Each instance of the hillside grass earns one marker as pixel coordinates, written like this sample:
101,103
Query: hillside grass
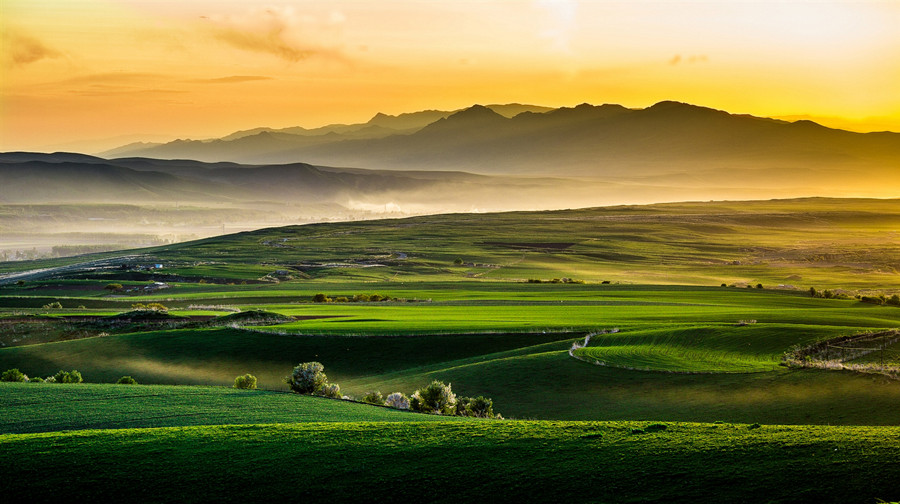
458,461
36,407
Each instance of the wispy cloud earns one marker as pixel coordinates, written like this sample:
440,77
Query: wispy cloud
273,31
23,49
231,79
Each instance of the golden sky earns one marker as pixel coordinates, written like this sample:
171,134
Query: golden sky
92,74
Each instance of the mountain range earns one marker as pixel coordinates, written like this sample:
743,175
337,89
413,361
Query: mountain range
668,139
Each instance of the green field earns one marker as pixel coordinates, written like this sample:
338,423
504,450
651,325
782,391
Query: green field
472,302
446,462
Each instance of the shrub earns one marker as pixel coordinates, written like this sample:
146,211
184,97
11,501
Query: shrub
20,282
656,427
436,398
759,286
397,400
114,287
373,397
479,407
13,375
341,299
72,376
55,304
458,262
812,291
894,300
126,380
376,297
321,298
332,390
307,378
872,300
36,379
247,381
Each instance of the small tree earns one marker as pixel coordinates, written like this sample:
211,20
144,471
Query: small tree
114,287
307,378
13,375
247,381
374,397
436,398
458,262
812,291
397,400
126,380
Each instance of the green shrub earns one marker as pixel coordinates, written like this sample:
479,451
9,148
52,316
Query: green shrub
458,262
437,398
479,407
72,376
126,380
114,287
56,304
656,427
332,390
894,300
307,378
13,375
247,381
321,298
36,379
374,397
341,299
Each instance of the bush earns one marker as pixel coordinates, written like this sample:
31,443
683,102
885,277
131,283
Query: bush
158,307
307,378
437,398
55,304
458,262
373,397
114,287
332,390
321,298
72,376
479,407
247,381
894,300
397,400
36,379
126,380
13,375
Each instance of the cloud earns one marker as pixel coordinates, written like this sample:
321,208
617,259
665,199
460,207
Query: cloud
274,31
231,79
23,49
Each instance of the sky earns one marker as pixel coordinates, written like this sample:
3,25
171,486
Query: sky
88,75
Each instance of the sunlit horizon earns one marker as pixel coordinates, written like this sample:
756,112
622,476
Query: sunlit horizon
92,74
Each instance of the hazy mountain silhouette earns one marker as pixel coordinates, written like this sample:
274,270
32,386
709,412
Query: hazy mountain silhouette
664,140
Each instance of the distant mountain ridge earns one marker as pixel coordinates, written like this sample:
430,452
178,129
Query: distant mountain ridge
585,141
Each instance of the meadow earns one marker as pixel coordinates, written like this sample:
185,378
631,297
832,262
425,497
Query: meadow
691,309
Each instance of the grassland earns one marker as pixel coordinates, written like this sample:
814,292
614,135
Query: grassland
29,407
449,462
461,310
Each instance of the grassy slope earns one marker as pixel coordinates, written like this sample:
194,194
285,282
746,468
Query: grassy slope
821,242
31,407
454,462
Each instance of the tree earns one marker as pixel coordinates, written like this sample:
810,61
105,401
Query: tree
13,375
479,407
72,376
436,398
307,378
126,380
247,381
397,400
812,291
